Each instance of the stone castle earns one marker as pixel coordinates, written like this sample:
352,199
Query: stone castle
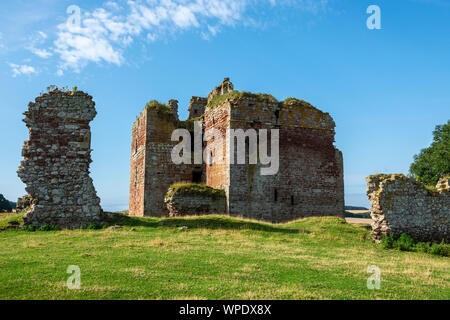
310,177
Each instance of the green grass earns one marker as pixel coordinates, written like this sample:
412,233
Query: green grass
195,189
216,258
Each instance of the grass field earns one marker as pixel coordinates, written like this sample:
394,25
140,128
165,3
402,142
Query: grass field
217,257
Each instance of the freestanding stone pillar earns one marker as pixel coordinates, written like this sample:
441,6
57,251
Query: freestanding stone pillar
56,161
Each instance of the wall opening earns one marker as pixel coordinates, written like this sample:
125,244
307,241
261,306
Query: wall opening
196,176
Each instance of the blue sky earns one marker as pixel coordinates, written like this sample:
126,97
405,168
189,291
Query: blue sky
386,89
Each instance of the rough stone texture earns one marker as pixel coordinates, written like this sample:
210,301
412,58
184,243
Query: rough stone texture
182,204
173,105
151,169
197,107
310,177
223,88
24,202
309,182
56,161
402,205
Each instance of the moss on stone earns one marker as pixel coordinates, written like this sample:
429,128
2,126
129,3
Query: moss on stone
236,95
160,108
195,189
291,101
383,176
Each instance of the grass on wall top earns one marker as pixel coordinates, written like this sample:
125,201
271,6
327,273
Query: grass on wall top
195,189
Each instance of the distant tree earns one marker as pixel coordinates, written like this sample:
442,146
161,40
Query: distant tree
433,163
4,204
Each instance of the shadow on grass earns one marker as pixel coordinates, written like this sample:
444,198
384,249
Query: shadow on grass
212,222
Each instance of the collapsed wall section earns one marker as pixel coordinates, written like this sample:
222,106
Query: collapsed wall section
56,161
402,205
195,199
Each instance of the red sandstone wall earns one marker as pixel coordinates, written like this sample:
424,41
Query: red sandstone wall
137,168
310,178
218,175
151,168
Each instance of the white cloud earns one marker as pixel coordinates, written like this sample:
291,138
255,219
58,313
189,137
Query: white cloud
43,35
43,53
106,32
22,69
2,45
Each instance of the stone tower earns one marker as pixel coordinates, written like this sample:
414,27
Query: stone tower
56,161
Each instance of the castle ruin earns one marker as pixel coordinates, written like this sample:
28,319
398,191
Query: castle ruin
402,205
56,161
309,181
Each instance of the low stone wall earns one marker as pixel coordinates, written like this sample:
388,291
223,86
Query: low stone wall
56,161
401,205
191,200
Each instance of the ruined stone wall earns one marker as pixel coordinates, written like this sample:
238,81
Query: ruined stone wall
24,202
197,107
137,166
224,87
310,178
56,161
151,168
187,204
402,205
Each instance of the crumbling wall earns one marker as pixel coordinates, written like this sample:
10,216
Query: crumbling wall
310,177
403,205
24,202
197,107
225,87
56,161
151,168
192,200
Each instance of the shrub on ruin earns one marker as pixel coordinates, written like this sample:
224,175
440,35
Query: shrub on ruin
432,164
387,242
405,242
49,227
440,249
160,108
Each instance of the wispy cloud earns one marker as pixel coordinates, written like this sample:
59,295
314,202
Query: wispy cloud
105,32
2,45
22,69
